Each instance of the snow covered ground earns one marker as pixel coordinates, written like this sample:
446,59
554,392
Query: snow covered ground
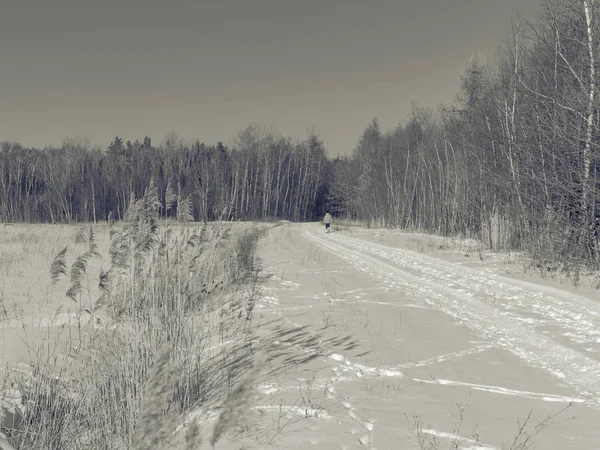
442,354
393,340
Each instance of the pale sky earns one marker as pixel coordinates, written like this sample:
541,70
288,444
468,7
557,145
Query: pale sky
207,68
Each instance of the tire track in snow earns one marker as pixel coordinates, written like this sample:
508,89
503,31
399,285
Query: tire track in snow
576,316
463,302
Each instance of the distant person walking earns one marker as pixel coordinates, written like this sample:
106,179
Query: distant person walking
327,221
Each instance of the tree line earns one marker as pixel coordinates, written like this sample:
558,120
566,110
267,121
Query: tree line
513,161
265,176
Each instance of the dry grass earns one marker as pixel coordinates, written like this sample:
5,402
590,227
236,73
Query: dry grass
523,439
153,324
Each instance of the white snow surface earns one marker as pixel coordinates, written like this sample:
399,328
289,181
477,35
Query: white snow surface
430,335
548,328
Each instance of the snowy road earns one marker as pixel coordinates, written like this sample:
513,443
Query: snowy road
553,330
444,356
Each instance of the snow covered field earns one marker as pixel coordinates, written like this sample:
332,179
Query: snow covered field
391,340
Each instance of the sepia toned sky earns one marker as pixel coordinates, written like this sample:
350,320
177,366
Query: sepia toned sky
207,68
